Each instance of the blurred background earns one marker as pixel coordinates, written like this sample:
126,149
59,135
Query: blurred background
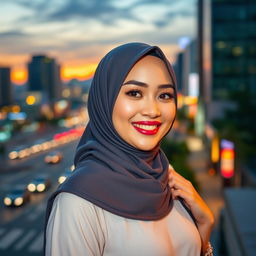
49,51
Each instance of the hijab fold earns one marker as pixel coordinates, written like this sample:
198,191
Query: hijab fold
109,172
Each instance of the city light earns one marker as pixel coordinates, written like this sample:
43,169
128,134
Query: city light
40,187
4,136
15,109
66,93
184,42
215,150
7,201
180,100
30,100
227,157
31,187
19,75
18,201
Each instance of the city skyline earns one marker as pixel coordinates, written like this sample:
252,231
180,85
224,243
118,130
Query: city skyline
55,29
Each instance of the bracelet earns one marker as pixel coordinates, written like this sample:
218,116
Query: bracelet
209,251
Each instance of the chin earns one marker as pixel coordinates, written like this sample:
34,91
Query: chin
145,147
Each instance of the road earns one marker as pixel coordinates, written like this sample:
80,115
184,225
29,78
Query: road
21,229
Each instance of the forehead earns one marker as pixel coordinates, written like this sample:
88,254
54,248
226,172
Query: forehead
149,68
149,60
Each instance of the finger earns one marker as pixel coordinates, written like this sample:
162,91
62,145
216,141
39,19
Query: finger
176,174
181,193
185,182
176,184
170,170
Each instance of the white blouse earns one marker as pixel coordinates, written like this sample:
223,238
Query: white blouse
77,227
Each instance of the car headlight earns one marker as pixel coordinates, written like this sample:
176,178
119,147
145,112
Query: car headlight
13,155
7,201
31,187
18,201
62,179
55,159
40,187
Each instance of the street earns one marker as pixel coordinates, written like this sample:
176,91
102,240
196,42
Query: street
21,228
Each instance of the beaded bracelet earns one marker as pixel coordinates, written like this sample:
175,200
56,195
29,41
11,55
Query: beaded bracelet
209,251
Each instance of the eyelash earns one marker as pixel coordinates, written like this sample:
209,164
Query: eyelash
134,94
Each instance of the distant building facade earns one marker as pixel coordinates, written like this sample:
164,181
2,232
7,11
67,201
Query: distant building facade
227,50
233,47
178,66
186,68
44,77
6,90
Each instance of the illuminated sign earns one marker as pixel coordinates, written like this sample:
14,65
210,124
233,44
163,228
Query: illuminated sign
215,150
17,116
227,159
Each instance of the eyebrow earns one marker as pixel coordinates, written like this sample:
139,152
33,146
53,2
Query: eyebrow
161,86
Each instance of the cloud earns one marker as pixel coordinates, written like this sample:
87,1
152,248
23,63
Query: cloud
12,34
106,12
98,10
86,29
102,11
170,16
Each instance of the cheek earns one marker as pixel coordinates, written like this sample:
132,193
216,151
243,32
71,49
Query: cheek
124,110
169,113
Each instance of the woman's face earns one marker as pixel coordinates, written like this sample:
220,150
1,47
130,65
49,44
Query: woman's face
145,106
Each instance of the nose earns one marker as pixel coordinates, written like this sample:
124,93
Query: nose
151,109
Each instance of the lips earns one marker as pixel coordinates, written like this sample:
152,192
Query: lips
147,127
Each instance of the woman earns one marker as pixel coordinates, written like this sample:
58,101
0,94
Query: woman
124,198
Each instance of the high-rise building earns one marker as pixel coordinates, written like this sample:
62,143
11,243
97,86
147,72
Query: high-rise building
178,67
233,47
227,50
44,77
6,90
185,68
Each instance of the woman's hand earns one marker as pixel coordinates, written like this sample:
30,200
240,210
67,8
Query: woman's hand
180,187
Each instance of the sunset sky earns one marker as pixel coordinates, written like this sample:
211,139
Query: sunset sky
78,33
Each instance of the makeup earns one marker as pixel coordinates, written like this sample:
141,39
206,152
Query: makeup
147,127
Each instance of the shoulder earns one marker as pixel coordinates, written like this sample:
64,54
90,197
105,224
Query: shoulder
74,204
74,225
76,212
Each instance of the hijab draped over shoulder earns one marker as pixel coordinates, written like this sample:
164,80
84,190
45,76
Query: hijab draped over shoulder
109,172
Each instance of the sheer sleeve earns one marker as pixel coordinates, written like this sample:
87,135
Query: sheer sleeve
74,228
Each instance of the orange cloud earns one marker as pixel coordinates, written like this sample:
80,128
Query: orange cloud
80,72
19,75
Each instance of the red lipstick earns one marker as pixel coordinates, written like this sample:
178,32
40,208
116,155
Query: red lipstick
144,127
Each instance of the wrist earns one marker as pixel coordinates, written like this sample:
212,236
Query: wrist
205,233
209,250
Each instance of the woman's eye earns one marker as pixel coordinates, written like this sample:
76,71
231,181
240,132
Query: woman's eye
134,93
166,96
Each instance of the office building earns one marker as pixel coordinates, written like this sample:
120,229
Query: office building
227,50
44,77
185,68
6,90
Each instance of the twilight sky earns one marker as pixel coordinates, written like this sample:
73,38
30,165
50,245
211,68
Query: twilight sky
78,33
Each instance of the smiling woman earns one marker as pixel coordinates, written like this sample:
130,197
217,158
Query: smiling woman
123,197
